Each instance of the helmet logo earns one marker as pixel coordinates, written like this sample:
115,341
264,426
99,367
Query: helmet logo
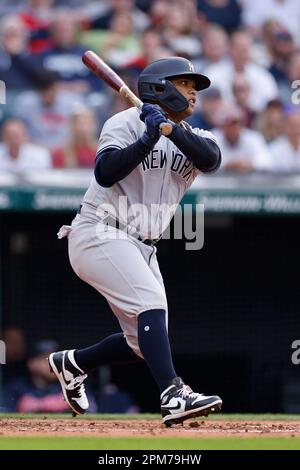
191,67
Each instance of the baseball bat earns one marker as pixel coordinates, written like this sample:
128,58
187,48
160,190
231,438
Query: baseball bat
104,72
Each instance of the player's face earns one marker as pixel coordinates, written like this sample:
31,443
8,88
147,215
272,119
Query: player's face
187,88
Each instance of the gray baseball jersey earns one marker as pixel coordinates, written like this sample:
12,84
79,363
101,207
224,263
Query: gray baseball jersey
122,268
158,183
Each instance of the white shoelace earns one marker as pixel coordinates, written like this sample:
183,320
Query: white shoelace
77,382
187,391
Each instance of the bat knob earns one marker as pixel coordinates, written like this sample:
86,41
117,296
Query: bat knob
166,128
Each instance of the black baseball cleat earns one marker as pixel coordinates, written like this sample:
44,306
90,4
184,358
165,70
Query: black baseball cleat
179,402
71,379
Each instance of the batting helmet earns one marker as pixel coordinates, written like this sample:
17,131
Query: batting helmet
154,86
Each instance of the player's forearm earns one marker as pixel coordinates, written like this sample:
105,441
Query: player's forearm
203,152
113,164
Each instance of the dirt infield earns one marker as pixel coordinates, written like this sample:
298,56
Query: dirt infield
152,428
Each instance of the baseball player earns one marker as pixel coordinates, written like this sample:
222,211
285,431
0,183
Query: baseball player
140,172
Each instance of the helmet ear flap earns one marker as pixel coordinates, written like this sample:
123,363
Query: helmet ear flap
172,99
162,92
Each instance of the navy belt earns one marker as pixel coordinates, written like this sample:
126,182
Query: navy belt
120,226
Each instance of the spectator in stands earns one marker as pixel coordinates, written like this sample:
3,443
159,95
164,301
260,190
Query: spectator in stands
159,11
209,105
281,53
17,66
17,154
150,42
80,150
120,44
46,111
285,150
294,68
65,56
140,20
261,51
40,393
270,121
214,46
85,11
293,74
241,91
36,16
178,33
287,12
262,84
226,13
243,149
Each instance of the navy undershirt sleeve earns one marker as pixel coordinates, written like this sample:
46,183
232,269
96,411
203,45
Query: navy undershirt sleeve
113,164
202,151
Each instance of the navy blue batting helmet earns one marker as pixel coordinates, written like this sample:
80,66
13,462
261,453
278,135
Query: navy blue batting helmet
154,86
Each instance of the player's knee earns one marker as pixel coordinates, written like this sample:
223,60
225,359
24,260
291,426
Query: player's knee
159,303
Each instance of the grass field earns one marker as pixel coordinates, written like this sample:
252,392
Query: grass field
142,432
95,443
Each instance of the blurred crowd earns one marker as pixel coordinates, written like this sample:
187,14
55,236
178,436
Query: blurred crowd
55,107
30,387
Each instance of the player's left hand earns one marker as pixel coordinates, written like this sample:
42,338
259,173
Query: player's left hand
153,116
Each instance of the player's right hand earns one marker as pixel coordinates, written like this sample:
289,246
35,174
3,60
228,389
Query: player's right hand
152,116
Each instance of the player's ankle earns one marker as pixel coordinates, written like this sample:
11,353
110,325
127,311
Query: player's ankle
74,361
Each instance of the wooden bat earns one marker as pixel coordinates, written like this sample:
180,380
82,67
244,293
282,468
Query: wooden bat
103,71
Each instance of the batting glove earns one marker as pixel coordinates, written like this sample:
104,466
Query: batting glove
152,116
